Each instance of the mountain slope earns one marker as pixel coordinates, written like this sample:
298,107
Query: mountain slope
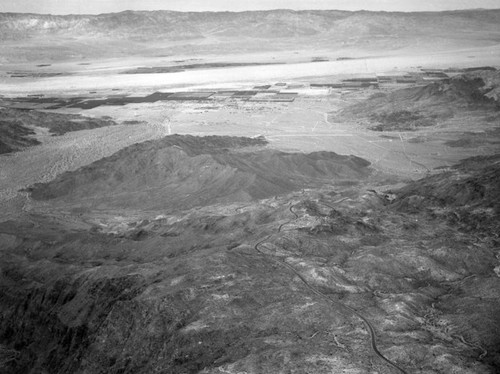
468,195
411,108
17,126
186,171
273,286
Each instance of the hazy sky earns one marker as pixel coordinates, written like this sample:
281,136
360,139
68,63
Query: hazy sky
106,6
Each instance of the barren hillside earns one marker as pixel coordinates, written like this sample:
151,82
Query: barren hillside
321,280
474,94
183,171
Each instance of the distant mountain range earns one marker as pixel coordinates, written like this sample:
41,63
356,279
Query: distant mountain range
49,38
170,25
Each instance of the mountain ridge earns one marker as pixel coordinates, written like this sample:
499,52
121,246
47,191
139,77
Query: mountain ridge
185,171
279,23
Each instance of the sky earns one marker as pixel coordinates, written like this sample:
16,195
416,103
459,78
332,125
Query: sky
108,6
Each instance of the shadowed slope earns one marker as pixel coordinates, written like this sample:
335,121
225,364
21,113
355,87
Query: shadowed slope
422,106
15,136
17,126
468,195
186,171
470,90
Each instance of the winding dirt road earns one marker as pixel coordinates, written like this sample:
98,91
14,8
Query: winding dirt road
368,325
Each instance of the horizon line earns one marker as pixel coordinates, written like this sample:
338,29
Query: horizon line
255,11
